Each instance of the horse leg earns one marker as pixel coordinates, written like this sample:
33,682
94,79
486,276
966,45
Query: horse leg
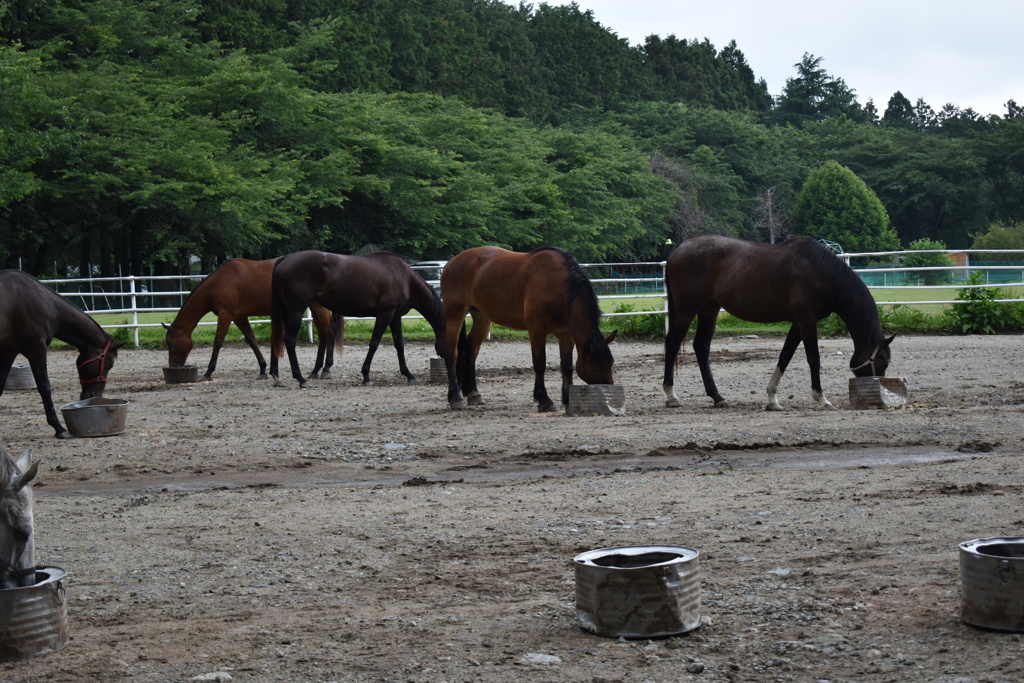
250,338
399,340
809,333
565,346
379,326
788,349
678,325
706,320
291,336
328,338
456,350
540,392
38,363
481,328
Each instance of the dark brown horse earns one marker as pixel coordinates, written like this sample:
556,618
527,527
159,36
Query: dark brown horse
798,281
236,291
544,292
380,286
31,316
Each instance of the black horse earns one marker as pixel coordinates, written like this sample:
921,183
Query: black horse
31,316
379,285
799,281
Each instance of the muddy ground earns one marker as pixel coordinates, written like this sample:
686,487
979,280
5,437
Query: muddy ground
348,533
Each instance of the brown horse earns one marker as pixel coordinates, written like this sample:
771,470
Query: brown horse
799,281
380,286
544,292
235,291
31,316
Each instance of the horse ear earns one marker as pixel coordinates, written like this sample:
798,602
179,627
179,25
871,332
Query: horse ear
166,326
28,472
611,337
889,340
115,347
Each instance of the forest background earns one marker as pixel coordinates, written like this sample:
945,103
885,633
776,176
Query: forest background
151,136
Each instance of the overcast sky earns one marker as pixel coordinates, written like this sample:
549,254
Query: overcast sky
970,54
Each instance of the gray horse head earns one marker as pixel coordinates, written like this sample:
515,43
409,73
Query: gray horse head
17,547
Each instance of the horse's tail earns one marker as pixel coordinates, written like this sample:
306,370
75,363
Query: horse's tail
277,315
460,362
338,332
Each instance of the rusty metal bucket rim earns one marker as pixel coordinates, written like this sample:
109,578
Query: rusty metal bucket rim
683,553
94,402
54,574
972,546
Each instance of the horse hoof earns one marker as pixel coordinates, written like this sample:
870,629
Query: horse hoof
367,382
673,403
546,407
475,399
412,380
326,374
303,385
457,405
62,435
773,407
722,404
278,382
314,375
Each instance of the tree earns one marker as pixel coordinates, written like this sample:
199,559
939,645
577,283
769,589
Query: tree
814,95
1000,236
835,204
899,113
925,256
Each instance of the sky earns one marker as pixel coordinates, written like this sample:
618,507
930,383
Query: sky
941,51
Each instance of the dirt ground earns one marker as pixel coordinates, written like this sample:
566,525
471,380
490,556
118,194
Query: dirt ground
238,531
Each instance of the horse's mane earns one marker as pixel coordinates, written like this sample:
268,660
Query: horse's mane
852,299
579,286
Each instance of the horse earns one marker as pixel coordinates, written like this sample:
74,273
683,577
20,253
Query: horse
799,281
544,292
235,291
31,316
379,285
17,546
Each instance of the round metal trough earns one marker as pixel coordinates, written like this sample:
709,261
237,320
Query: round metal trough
34,619
638,591
96,417
992,583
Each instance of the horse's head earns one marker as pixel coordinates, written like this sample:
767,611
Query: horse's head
94,364
179,345
871,362
17,547
594,361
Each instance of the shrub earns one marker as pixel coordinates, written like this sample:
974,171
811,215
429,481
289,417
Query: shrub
650,326
976,310
926,260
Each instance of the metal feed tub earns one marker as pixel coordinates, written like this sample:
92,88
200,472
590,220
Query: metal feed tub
438,371
181,375
596,399
20,377
878,392
34,619
992,583
96,416
638,591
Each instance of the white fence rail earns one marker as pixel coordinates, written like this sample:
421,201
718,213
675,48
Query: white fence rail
134,296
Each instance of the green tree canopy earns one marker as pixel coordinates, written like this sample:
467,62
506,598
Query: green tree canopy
836,205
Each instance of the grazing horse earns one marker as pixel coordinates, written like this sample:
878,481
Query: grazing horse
17,546
380,286
236,291
544,292
31,316
799,281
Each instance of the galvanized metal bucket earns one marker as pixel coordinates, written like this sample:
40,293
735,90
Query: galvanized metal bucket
596,399
20,377
992,583
878,392
638,591
438,371
96,416
34,619
184,374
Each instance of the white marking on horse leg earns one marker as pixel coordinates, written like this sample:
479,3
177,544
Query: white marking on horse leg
773,391
670,397
823,402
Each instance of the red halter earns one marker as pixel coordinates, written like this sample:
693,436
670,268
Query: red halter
102,358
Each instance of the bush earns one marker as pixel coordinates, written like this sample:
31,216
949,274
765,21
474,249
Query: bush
926,260
978,312
650,326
